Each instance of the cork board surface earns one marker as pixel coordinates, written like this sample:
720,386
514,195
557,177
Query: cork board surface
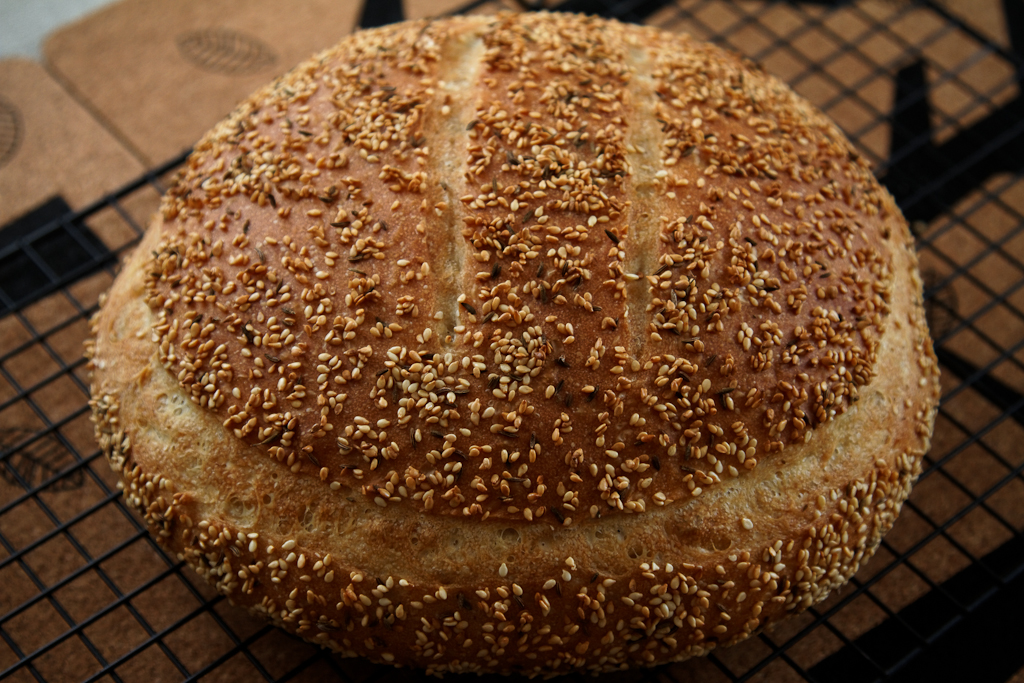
50,145
163,73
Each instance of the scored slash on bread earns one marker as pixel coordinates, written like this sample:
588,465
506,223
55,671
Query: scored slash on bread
520,343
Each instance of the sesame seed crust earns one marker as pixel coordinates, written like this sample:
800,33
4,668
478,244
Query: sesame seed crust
520,343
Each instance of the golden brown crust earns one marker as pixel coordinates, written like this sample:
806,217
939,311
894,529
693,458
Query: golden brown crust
520,343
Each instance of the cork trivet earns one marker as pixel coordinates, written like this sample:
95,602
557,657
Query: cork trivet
163,73
50,145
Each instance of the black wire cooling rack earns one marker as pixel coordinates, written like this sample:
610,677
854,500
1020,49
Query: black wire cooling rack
929,91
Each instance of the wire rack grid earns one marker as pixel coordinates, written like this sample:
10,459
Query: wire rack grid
928,91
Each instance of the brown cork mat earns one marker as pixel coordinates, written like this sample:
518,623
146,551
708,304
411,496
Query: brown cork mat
53,149
50,145
163,73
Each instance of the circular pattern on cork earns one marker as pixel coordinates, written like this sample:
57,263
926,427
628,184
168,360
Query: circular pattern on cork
10,131
225,51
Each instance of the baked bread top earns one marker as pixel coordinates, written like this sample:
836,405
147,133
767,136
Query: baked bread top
523,281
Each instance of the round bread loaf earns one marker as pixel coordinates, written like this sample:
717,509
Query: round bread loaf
521,343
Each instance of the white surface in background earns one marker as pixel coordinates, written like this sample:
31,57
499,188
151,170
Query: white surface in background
24,24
